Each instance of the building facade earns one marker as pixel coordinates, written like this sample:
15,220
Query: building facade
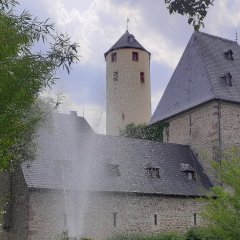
201,104
97,186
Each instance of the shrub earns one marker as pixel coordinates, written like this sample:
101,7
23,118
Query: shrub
167,236
202,234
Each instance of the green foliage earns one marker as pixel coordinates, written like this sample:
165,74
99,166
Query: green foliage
142,131
24,74
196,10
223,211
202,234
164,236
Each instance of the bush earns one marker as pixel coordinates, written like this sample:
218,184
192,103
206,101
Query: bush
167,236
202,234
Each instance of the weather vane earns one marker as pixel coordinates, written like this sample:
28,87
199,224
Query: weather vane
127,23
236,35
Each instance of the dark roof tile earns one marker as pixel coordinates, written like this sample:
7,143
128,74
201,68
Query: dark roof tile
127,40
71,156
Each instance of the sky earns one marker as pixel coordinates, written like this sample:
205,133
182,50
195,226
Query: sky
97,24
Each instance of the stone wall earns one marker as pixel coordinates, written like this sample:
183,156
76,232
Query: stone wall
19,207
46,214
207,129
4,190
94,216
230,125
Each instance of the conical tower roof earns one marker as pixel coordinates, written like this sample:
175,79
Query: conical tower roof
127,40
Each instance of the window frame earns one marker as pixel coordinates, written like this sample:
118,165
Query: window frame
135,56
229,54
142,77
115,76
113,57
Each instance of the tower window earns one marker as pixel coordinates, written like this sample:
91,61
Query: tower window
228,54
114,57
227,78
142,77
123,116
115,76
114,219
135,56
190,123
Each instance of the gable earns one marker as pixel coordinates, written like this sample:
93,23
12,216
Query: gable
197,77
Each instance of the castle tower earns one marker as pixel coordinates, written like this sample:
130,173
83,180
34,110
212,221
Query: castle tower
128,92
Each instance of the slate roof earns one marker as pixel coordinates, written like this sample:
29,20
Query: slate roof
75,158
125,42
197,77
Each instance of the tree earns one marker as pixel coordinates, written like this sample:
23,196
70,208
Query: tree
142,131
196,10
223,210
24,74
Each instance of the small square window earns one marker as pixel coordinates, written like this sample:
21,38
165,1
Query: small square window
142,77
114,57
115,76
153,172
135,56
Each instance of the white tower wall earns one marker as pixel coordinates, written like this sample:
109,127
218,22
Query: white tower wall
127,98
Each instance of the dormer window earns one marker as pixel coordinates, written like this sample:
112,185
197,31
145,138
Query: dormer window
189,171
114,57
131,39
112,170
227,77
152,171
191,176
228,54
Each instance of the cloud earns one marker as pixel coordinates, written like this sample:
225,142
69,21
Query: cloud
223,17
100,25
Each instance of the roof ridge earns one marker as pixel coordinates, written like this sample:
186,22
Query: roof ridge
141,140
214,36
